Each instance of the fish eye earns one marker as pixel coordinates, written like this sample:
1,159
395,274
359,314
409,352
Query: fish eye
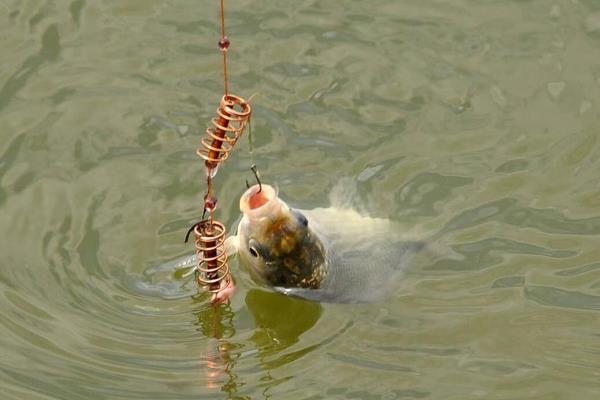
253,248
253,252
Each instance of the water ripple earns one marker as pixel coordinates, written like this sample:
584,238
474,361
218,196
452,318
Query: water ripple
471,124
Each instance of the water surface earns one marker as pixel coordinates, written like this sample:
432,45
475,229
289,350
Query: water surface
476,121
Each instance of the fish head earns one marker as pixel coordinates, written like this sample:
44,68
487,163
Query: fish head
276,243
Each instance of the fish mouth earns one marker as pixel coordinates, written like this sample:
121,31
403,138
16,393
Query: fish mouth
258,201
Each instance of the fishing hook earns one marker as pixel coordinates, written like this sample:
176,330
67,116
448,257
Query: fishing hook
257,176
199,224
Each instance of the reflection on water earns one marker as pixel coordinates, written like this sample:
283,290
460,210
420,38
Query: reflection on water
216,323
471,123
272,335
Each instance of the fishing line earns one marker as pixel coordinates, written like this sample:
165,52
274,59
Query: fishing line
233,115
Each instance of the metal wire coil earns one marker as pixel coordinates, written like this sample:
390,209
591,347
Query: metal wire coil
210,251
226,130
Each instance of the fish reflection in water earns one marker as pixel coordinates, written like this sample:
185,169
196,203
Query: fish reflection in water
272,334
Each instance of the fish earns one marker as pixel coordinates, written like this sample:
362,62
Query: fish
331,254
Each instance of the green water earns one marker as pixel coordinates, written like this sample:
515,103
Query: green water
476,120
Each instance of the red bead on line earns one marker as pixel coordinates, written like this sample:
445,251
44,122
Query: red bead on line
210,203
224,43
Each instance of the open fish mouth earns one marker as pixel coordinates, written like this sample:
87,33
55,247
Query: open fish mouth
258,201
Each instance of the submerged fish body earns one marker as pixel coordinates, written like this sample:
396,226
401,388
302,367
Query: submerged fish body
325,254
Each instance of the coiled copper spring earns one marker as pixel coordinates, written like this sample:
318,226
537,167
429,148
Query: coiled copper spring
212,265
233,115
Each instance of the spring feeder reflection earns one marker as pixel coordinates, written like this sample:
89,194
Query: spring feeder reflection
232,117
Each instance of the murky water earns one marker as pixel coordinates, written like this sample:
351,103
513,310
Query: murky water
474,120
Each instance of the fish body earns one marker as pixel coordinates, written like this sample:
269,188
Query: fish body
325,254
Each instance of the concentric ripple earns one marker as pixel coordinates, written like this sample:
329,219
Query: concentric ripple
472,124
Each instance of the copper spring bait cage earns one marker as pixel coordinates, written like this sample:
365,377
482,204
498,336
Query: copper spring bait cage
212,265
233,115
